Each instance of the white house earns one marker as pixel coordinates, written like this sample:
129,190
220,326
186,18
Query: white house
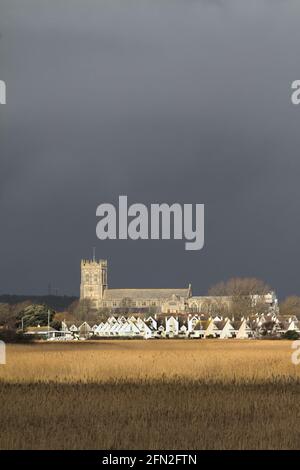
225,329
211,330
172,326
243,329
73,328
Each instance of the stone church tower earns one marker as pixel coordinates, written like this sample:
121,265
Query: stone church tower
93,280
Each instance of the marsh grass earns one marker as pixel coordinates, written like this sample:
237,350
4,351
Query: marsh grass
150,395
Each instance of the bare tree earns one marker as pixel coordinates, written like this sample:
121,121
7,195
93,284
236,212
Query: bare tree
5,314
126,304
103,314
246,295
214,306
240,286
81,310
9,314
290,306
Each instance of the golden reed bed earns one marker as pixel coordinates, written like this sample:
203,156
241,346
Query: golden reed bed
164,394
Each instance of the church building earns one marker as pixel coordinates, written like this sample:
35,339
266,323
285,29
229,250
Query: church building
94,287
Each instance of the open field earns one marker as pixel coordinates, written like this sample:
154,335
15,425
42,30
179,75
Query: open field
164,394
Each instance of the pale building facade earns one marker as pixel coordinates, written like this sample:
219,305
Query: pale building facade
94,287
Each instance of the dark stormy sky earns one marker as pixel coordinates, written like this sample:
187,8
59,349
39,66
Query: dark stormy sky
162,100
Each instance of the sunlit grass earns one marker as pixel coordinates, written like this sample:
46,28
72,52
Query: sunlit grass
150,394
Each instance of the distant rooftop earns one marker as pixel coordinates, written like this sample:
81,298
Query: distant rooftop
144,294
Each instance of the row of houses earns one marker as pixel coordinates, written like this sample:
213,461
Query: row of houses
184,326
171,327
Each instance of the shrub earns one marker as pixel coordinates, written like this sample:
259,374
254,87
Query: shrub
13,336
292,334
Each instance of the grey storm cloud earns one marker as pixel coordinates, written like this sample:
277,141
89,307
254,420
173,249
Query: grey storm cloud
165,102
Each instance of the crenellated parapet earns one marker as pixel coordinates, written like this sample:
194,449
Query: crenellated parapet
93,280
92,262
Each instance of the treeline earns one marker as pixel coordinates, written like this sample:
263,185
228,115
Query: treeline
15,318
56,302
